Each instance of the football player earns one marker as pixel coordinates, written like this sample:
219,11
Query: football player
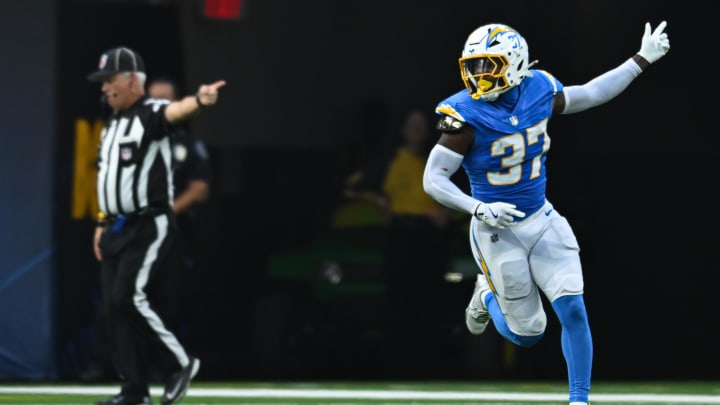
496,129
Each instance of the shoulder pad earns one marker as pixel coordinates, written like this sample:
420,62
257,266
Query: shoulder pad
552,79
450,124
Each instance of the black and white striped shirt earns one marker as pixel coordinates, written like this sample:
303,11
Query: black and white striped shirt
135,160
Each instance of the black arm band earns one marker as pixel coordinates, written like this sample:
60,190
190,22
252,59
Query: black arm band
197,99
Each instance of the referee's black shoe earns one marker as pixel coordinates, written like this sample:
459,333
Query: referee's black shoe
179,382
122,399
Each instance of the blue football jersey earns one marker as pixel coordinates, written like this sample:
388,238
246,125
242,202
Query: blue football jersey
507,159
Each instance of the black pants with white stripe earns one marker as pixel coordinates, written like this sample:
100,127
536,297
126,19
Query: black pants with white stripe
130,255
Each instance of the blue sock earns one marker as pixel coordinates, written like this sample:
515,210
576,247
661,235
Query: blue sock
577,344
501,325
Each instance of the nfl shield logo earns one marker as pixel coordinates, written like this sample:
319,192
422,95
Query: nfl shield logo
126,153
103,61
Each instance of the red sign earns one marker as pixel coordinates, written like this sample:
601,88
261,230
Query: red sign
223,9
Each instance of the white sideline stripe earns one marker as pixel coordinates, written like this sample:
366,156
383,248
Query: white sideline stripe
373,394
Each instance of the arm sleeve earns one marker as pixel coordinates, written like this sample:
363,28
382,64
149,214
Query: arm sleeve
600,89
441,165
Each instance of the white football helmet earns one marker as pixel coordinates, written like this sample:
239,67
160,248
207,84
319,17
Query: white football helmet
494,60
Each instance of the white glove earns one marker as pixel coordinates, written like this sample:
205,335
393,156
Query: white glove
654,46
498,214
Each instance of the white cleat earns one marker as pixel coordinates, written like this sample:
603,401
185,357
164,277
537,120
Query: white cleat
476,314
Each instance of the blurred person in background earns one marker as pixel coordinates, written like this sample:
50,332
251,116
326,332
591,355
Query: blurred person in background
496,129
192,176
415,252
362,203
136,223
416,255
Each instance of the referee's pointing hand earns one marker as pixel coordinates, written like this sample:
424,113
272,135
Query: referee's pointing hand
208,93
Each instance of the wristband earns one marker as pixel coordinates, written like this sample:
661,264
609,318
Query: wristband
197,100
476,214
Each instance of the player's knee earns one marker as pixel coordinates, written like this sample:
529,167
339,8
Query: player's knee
571,310
530,330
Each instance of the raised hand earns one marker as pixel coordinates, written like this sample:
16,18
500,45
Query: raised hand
207,94
654,44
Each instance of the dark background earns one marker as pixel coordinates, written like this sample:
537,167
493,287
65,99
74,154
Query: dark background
304,77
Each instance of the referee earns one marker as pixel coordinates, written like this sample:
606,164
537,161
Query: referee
136,225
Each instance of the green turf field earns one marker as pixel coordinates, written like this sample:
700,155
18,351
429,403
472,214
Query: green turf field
346,393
